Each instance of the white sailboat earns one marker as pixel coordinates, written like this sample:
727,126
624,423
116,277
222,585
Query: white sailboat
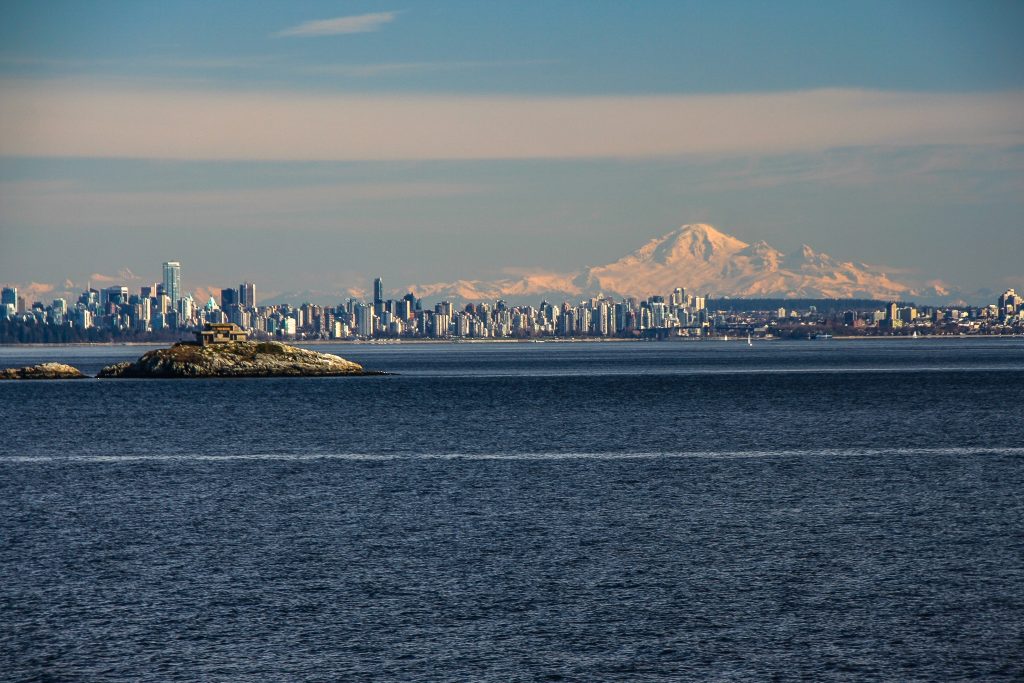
749,341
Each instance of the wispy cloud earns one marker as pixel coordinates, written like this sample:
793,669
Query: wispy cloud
358,23
77,119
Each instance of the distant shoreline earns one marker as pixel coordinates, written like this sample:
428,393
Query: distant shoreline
615,340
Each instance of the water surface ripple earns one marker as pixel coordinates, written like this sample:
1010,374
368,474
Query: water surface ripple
576,512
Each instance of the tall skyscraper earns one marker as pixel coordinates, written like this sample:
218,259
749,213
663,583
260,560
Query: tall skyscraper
247,294
172,281
228,297
378,296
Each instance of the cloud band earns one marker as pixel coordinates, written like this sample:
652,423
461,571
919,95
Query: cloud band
68,119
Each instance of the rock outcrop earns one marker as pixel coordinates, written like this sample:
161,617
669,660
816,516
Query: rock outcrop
235,359
42,371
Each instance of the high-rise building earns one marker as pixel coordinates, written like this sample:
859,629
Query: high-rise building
228,297
892,317
83,317
364,320
186,308
172,281
9,301
238,316
117,294
442,323
247,294
378,296
1009,303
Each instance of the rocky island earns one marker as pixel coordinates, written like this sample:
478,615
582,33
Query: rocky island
234,359
220,350
42,371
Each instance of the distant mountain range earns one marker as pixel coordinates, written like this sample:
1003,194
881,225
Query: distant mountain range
703,260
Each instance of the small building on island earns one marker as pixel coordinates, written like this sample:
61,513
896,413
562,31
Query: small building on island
220,333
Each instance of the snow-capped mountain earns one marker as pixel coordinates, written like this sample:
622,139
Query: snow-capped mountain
703,260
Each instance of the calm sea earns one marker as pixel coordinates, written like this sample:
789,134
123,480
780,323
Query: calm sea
522,512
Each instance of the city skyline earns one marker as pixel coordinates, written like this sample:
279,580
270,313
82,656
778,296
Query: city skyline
459,140
699,254
157,311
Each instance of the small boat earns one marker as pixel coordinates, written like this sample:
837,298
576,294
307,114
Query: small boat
749,341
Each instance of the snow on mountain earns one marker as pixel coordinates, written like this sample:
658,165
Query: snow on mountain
527,286
703,260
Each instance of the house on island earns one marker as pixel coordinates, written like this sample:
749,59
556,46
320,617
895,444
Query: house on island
220,333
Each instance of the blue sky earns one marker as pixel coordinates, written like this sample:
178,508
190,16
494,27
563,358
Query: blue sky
314,145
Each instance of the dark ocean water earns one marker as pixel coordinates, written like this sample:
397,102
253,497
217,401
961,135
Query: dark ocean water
520,512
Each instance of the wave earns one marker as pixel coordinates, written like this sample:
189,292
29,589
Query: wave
513,455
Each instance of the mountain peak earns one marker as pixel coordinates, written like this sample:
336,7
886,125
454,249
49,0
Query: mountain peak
688,242
704,231
700,257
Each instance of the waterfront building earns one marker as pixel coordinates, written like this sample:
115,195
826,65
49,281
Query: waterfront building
214,333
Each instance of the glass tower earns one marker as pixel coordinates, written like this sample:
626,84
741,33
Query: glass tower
172,281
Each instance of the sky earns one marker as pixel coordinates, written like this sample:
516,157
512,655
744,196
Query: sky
310,146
